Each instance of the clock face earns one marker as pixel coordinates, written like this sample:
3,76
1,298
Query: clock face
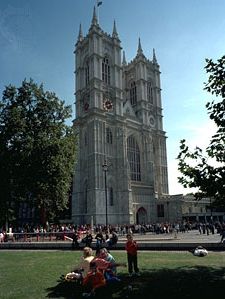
151,121
107,105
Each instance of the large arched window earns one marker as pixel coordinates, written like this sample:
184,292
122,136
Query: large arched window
108,135
133,93
85,139
133,154
106,71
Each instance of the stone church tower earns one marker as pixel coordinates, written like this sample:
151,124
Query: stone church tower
119,122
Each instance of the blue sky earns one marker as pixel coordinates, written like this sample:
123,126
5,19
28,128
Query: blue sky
37,41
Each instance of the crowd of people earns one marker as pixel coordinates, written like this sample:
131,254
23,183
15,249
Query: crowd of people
86,234
108,238
157,227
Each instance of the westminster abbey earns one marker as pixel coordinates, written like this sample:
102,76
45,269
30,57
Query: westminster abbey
121,171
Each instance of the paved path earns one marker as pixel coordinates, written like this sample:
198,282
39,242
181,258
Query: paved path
188,237
149,241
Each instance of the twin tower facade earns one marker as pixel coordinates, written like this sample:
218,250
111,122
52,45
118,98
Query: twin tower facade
121,170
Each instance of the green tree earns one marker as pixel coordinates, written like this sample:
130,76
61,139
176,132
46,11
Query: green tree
37,151
208,177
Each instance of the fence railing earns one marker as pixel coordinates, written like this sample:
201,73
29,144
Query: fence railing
40,236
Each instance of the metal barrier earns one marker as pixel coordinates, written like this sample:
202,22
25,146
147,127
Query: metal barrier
40,236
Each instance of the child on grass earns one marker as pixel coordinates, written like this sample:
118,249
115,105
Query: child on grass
131,248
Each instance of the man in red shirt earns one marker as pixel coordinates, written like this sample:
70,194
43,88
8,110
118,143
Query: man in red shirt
131,248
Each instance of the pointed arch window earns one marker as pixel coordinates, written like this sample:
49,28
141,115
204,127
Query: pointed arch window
133,94
87,78
106,70
150,92
133,154
109,135
85,139
111,200
160,210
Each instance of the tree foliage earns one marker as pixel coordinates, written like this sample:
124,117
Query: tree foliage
208,177
37,150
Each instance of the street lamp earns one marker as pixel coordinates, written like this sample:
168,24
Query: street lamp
105,167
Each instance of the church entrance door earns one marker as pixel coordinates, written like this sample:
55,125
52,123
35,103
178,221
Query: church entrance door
141,216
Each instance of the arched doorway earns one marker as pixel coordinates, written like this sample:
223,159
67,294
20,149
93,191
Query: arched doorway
141,216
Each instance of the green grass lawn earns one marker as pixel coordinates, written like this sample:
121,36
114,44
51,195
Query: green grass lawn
36,275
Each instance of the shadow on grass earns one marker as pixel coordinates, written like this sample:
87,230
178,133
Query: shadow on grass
195,282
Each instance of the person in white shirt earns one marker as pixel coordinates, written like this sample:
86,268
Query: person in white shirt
1,237
83,268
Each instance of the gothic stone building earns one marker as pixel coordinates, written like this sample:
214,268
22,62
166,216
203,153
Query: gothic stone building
119,121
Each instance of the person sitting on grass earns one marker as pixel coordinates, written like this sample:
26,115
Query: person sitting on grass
200,251
106,263
110,273
94,282
80,272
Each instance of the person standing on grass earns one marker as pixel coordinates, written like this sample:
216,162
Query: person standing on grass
131,248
